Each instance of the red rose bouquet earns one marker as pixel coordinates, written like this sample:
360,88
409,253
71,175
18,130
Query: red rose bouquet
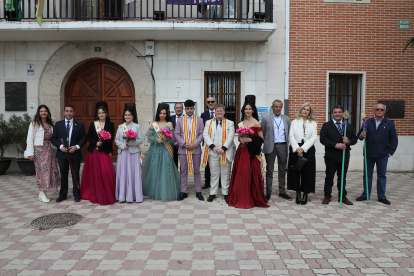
130,135
104,135
245,131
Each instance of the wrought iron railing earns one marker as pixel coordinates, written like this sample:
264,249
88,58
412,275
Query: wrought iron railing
83,10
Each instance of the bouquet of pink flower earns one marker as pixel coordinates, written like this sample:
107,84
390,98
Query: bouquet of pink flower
167,133
245,131
130,135
104,135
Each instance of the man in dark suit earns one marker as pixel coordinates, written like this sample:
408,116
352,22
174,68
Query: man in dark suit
178,109
73,135
335,143
382,142
208,115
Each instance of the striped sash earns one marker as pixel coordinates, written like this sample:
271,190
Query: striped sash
224,134
158,131
190,141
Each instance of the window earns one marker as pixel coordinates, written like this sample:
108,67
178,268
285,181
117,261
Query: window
346,90
225,88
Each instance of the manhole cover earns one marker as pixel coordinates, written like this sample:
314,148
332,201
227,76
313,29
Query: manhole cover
56,220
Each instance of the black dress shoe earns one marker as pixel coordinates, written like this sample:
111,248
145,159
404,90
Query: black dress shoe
211,198
361,198
226,198
199,196
384,200
206,186
304,199
60,199
285,196
298,197
182,196
77,199
268,196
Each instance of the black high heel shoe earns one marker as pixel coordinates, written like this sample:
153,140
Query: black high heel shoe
304,199
298,197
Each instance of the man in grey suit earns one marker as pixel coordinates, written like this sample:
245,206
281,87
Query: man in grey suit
276,143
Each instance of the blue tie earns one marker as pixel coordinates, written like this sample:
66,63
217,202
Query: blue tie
67,134
338,126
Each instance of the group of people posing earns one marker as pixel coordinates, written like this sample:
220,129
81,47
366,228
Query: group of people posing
239,173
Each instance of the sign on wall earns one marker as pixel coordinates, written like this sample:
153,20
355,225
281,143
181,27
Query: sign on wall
404,24
15,96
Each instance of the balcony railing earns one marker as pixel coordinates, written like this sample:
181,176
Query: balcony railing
83,10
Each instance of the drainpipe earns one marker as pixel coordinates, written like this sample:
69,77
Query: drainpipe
153,87
287,16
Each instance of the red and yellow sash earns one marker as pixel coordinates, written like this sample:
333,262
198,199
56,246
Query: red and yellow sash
190,141
125,129
224,134
259,157
158,131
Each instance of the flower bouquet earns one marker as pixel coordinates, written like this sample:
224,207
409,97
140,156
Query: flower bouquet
130,135
104,135
245,132
167,133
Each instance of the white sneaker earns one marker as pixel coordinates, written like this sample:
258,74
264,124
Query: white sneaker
42,197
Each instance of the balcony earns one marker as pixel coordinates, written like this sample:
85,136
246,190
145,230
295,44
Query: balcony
94,20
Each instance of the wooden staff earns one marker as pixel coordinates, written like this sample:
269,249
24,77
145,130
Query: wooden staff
70,164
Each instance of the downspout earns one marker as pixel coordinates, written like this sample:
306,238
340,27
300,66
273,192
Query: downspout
287,16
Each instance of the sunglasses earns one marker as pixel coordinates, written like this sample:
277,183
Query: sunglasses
380,109
211,102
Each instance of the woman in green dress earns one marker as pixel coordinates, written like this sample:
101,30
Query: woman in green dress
160,176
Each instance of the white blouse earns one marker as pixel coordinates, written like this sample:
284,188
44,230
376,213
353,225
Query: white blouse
297,134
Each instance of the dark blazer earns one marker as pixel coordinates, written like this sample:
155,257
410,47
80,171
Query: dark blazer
330,136
78,138
382,141
173,119
92,138
205,116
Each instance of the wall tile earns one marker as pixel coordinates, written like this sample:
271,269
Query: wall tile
217,51
32,51
195,51
228,51
173,70
183,70
2,69
206,50
9,51
161,50
172,50
261,73
183,50
1,50
195,70
239,52
21,51
10,70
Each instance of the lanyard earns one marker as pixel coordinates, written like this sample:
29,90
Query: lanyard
278,124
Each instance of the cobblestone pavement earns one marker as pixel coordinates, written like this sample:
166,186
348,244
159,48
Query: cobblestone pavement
201,238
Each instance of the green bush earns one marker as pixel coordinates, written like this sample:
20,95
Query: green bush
5,135
20,127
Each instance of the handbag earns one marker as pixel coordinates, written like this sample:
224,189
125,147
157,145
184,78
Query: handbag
300,163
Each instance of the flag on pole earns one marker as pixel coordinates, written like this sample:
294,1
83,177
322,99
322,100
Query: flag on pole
39,11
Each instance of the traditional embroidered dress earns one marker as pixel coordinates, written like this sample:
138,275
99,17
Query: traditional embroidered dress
47,174
160,177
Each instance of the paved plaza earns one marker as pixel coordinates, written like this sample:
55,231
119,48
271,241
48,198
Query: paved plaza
201,238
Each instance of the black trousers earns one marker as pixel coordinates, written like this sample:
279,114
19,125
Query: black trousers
207,175
64,174
175,150
331,169
302,181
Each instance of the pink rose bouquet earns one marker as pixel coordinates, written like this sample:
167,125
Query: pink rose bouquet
130,135
245,131
104,135
167,133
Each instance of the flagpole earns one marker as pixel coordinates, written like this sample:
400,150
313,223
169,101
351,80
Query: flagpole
346,116
365,154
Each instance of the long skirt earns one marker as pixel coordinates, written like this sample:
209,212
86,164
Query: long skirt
302,181
47,174
128,177
98,178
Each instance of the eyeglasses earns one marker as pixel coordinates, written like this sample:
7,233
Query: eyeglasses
380,109
211,102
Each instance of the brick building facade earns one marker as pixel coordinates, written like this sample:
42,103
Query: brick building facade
328,37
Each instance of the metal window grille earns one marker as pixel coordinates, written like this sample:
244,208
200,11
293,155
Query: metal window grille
225,88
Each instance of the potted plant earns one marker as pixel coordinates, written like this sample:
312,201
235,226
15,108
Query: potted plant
5,140
20,127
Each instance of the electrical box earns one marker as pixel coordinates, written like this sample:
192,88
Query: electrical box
149,48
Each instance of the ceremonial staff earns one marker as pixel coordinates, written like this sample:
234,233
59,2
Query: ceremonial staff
344,124
364,125
73,172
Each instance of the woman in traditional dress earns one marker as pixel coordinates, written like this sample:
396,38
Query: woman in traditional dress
246,185
302,136
160,176
39,150
98,176
128,168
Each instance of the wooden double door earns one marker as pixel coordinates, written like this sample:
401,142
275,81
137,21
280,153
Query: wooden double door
99,80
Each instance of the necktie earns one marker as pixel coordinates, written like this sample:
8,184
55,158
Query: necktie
218,124
67,134
338,126
211,114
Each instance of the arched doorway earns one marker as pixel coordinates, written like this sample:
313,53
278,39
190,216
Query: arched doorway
99,80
